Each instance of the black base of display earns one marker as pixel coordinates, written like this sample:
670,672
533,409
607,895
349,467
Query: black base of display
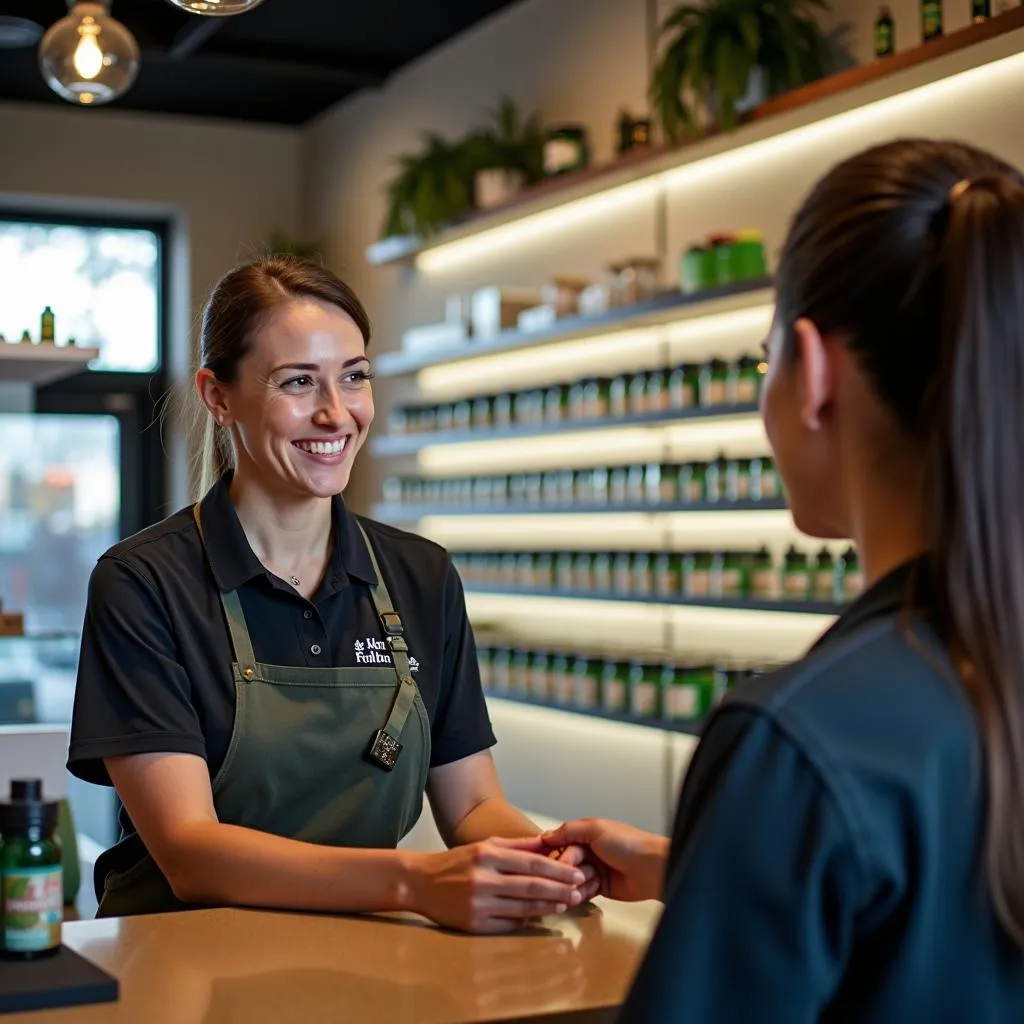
65,979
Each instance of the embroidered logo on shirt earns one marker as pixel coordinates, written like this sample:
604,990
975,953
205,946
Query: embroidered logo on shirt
373,651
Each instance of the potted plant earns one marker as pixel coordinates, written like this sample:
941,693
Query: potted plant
505,156
432,189
729,55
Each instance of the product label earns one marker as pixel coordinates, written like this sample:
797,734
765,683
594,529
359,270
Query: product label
746,390
795,584
765,584
694,491
668,583
825,585
853,584
681,701
539,684
732,582
645,698
668,490
742,487
769,486
585,692
643,581
563,688
698,583
714,393
33,907
614,695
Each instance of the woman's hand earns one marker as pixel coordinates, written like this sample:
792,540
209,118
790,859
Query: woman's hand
493,886
630,863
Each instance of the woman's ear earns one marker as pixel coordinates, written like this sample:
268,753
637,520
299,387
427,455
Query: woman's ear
816,373
214,396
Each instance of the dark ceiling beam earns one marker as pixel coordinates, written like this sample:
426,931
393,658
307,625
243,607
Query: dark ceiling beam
188,39
328,74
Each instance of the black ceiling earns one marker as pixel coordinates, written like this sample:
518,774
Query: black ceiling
284,61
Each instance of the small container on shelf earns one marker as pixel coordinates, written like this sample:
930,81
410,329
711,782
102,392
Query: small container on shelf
524,571
634,280
712,389
715,479
550,487
562,294
657,392
682,387
501,670
617,485
622,573
544,570
517,489
566,491
682,697
635,487
737,480
765,483
618,396
393,490
444,416
734,578
645,689
825,588
599,486
744,382
697,270
556,403
595,398
566,149
483,409
602,572
582,572
697,574
462,415
849,575
561,680
643,574
692,483
614,686
668,574
519,676
540,681
638,394
764,579
509,568
586,683
661,484
501,411
796,576
564,575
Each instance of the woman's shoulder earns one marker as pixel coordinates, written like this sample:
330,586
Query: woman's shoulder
417,552
165,546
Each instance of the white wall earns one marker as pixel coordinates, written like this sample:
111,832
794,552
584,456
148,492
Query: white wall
226,188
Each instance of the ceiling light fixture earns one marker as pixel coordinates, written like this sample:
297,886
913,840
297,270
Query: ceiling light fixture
216,8
88,57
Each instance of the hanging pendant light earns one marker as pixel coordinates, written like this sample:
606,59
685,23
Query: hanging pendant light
88,57
216,8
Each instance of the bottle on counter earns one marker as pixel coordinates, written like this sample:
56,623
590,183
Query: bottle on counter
825,576
796,576
931,19
885,34
31,873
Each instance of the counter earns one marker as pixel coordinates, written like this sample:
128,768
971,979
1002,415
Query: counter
266,967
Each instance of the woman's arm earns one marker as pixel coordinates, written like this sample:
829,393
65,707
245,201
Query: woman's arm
490,886
469,803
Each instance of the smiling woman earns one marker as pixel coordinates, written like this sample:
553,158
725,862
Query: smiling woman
223,688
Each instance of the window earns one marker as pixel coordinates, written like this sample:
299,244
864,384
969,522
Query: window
102,282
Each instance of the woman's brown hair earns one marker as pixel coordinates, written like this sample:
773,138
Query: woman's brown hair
239,304
913,252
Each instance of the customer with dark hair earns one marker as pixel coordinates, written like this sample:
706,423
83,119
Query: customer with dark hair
270,682
849,844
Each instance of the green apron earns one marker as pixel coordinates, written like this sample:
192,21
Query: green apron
313,755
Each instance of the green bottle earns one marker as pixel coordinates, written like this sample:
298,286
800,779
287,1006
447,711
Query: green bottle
31,877
825,577
46,325
931,19
981,10
885,34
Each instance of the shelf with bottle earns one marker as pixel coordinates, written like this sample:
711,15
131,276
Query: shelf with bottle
647,397
664,308
721,485
860,93
674,694
746,580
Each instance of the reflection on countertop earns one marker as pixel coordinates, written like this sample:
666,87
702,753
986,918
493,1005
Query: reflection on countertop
265,967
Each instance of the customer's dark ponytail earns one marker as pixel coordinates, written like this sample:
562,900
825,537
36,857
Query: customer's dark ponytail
913,252
976,471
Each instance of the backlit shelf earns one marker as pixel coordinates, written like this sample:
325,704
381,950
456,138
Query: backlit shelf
411,513
25,363
662,309
410,444
831,104
737,604
693,728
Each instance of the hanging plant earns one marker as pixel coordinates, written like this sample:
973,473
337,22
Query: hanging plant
722,55
432,189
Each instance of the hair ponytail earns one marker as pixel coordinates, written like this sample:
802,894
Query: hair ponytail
913,253
974,472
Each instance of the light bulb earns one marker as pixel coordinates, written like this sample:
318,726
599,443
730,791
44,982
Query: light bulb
216,8
88,57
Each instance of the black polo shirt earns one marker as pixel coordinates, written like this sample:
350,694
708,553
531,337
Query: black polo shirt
825,858
155,667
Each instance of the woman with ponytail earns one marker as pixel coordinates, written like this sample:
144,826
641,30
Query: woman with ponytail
849,844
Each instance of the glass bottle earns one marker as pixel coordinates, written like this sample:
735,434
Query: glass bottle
638,394
764,581
850,575
825,576
618,396
744,381
714,479
885,34
645,690
682,393
46,326
614,686
981,10
737,480
713,380
560,673
692,483
931,19
796,576
31,876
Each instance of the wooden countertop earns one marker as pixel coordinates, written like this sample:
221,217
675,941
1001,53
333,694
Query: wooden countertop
264,967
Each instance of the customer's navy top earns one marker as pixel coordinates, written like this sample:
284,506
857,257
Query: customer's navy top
825,864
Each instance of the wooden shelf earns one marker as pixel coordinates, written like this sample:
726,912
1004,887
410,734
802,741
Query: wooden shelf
738,604
649,163
662,309
693,728
412,513
23,363
410,444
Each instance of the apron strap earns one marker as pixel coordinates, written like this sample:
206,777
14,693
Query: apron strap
385,746
241,642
